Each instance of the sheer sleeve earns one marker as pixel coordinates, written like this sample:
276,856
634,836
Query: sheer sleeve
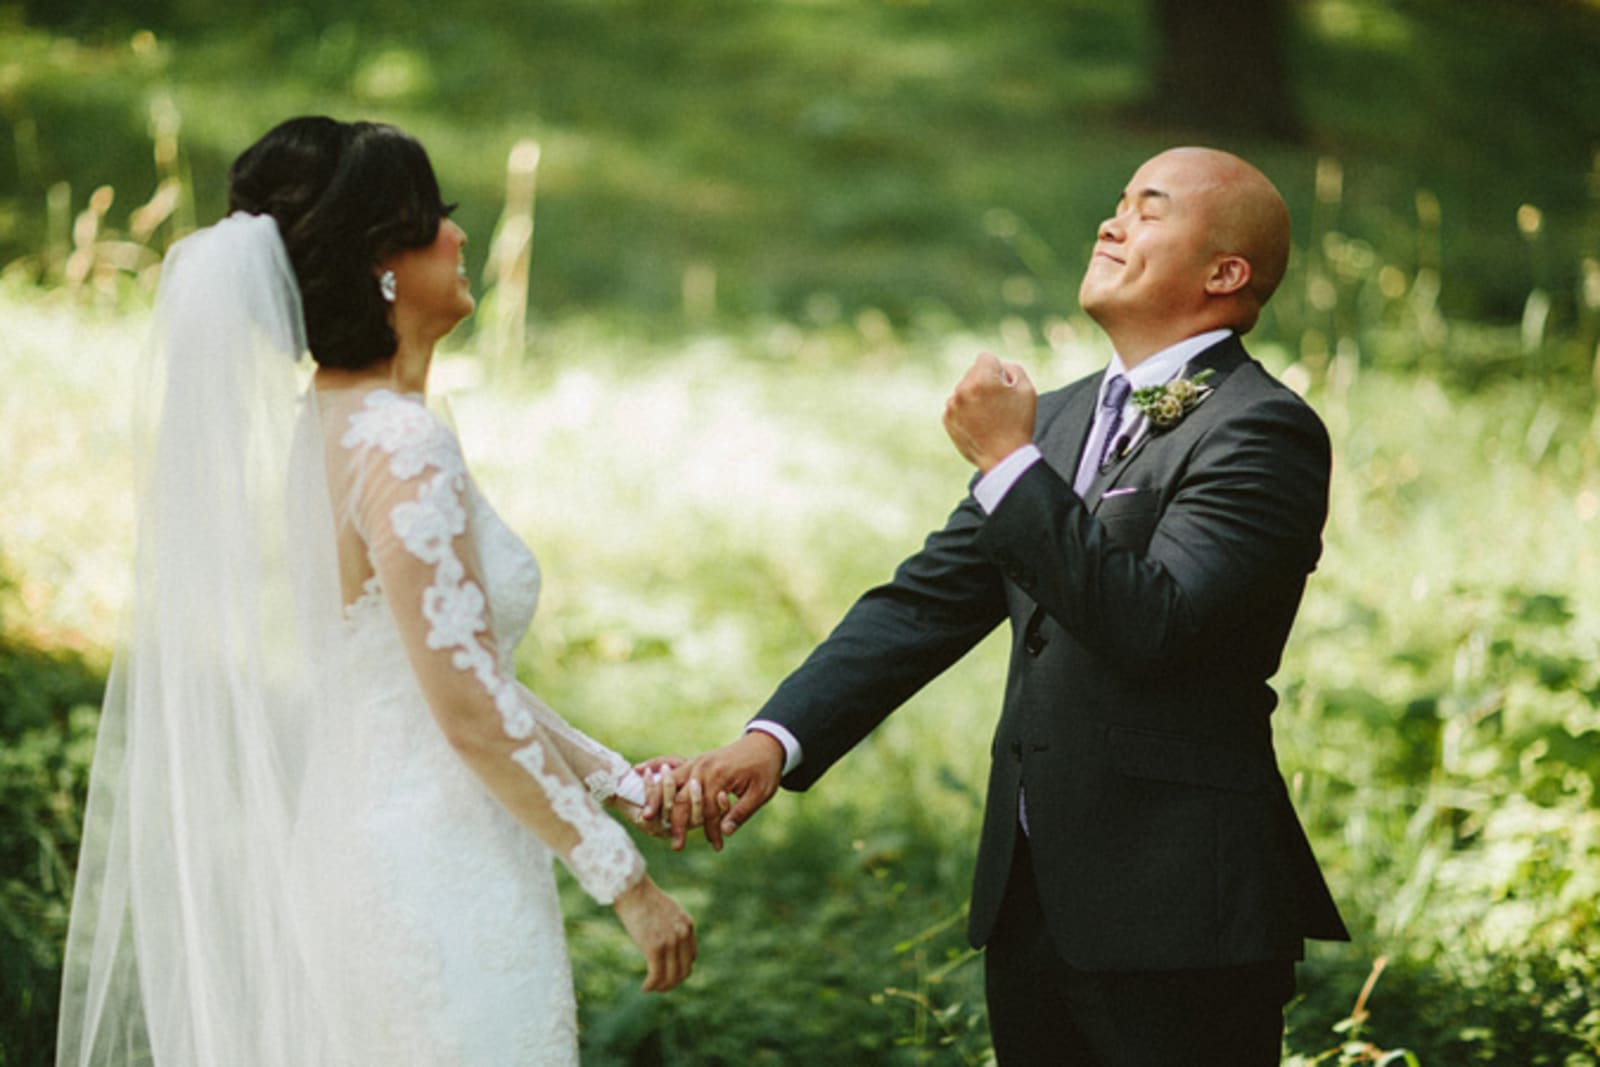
409,504
604,772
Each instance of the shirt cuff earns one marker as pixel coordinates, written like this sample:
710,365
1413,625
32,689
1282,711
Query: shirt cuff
993,487
792,755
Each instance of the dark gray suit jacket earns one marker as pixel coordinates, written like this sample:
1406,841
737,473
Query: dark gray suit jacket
1147,617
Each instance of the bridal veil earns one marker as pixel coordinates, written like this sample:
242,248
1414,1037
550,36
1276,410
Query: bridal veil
186,944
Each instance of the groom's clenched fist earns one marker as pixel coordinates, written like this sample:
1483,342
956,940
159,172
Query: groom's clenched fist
990,413
749,770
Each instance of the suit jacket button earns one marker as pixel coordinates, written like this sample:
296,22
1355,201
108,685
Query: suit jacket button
1034,643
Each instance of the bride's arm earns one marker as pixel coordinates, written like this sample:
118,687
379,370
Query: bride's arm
610,779
410,507
604,772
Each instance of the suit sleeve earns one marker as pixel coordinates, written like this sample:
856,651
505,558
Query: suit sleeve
1240,530
895,639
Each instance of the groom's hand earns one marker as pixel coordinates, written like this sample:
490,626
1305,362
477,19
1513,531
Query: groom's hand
748,769
990,414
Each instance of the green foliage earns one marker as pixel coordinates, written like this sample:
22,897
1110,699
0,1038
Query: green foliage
38,684
1538,1008
809,949
1442,709
44,773
814,161
47,723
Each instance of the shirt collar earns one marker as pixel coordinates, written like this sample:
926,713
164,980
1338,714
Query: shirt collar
1160,367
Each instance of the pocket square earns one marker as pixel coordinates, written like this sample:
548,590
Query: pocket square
1122,491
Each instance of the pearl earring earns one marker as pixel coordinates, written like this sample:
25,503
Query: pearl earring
386,286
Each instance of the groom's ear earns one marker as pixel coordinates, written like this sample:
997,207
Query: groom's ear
1230,274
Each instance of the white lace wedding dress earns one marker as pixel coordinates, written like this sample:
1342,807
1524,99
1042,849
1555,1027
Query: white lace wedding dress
322,812
425,860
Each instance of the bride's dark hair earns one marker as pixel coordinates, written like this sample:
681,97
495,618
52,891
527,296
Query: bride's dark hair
345,195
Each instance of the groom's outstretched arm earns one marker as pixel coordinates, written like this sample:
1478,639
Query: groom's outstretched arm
896,638
899,636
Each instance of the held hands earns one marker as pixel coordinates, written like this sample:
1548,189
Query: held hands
662,793
662,930
654,816
722,788
990,413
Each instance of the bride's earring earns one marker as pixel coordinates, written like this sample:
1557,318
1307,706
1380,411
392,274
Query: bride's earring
386,286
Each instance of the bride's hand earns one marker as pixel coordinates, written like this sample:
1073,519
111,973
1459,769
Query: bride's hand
660,792
663,931
659,763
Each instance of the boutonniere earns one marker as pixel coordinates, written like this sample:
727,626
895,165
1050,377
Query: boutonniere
1162,407
1166,405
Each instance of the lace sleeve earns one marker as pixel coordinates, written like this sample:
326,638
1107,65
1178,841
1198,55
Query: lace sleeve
409,505
601,769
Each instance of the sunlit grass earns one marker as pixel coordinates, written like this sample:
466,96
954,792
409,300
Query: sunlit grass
65,420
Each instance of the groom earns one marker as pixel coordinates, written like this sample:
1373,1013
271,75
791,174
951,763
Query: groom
1143,886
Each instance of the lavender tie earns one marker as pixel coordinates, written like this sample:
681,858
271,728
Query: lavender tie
1110,418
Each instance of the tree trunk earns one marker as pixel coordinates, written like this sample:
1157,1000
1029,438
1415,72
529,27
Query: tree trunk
1222,67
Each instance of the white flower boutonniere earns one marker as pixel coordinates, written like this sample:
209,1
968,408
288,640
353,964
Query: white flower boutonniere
1166,405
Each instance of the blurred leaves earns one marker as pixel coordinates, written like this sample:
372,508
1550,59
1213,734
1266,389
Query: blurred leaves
852,152
47,723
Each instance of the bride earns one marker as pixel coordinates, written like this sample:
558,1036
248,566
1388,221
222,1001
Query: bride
322,809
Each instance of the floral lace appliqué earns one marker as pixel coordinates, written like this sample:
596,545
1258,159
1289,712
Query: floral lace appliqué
604,861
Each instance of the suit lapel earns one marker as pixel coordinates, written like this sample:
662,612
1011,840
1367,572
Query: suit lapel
1063,437
1221,358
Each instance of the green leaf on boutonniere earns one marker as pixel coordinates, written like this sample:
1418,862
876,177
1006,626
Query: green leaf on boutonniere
1165,405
